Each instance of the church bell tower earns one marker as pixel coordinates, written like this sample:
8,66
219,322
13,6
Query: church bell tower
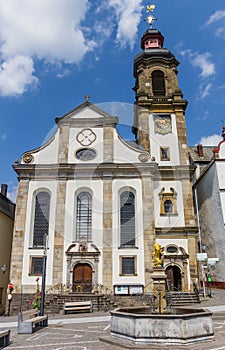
160,128
158,95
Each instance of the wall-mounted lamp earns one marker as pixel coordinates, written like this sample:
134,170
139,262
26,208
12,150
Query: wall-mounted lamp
4,268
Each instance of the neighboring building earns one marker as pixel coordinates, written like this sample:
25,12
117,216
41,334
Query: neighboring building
7,210
103,202
200,157
210,194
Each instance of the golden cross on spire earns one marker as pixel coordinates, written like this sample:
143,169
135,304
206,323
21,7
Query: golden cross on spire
87,97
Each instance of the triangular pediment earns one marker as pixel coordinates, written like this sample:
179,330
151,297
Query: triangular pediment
87,112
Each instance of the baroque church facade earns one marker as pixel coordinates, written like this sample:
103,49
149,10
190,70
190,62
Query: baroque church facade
100,203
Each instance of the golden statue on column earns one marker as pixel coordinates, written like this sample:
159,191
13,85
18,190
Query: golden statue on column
157,255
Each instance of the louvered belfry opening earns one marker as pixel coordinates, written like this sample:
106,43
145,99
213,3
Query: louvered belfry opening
158,83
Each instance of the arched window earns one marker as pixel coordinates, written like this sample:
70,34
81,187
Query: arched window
84,216
127,219
41,219
158,83
168,206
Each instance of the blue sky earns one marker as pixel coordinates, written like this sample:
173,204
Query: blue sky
54,52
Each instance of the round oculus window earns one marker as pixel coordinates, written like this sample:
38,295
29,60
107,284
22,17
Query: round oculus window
171,249
85,154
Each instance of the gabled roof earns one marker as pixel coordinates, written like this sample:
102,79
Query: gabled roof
94,114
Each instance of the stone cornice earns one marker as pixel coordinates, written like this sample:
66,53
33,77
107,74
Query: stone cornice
181,231
94,171
84,171
177,172
90,122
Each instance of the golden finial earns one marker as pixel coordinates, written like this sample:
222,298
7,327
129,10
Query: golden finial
150,19
87,97
150,8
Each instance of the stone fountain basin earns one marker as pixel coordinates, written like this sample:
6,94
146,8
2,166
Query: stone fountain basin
179,326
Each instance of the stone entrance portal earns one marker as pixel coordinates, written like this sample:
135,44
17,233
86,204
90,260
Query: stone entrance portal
82,278
173,279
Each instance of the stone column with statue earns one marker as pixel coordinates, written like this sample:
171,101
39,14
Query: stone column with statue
159,279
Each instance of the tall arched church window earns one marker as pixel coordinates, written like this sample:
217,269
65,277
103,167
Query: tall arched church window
41,219
84,217
127,219
158,83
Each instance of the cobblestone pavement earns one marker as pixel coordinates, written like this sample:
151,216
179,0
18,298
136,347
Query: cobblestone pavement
92,332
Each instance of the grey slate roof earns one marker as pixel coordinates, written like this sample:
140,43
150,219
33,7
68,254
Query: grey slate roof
207,154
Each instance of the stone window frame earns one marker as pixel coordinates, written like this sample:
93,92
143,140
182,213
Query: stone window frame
31,266
168,196
165,149
134,257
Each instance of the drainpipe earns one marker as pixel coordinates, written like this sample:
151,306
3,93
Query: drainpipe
200,243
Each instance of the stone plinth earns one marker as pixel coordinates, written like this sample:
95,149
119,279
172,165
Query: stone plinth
159,289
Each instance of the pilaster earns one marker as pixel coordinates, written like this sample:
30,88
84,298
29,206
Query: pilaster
182,136
59,233
63,143
107,233
148,227
108,143
18,235
188,203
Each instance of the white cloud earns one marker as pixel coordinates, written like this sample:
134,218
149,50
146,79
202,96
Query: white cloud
212,140
204,90
64,73
43,29
202,61
52,32
16,75
215,17
39,29
12,193
128,13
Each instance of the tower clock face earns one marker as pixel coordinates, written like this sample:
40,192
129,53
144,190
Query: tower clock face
86,137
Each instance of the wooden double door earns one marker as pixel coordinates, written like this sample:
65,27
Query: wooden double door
82,278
